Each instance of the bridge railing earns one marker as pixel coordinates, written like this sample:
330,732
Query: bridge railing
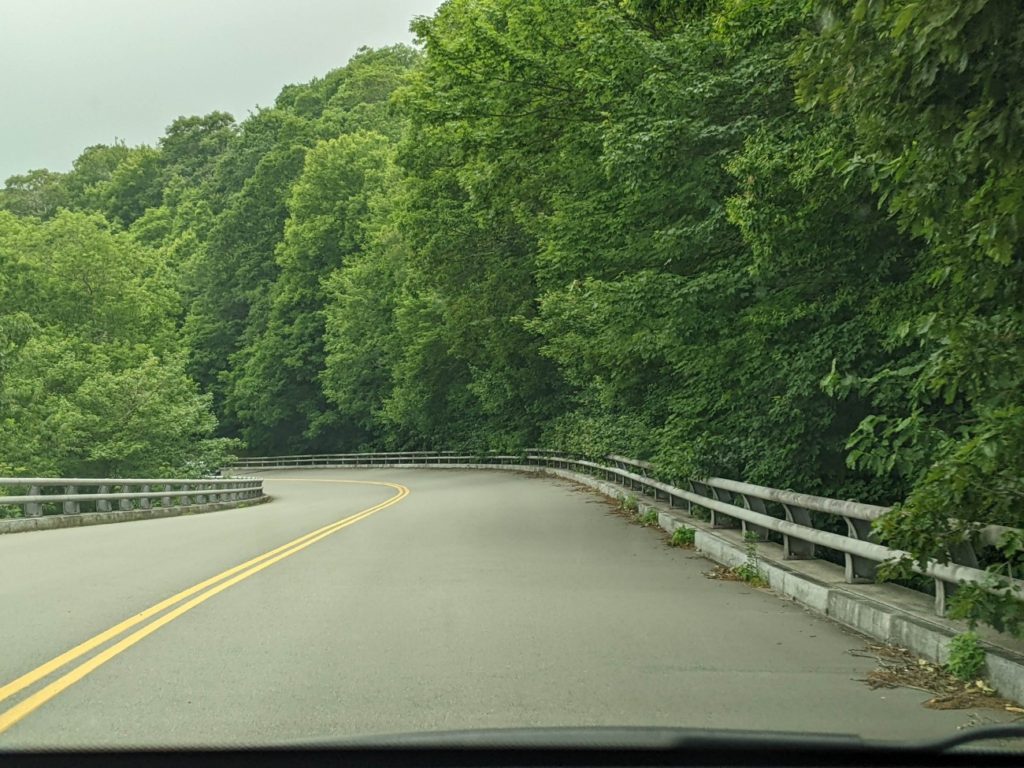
73,495
794,518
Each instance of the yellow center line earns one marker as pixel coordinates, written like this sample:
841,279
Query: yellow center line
226,578
53,665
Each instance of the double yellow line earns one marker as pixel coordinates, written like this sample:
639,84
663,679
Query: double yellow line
212,586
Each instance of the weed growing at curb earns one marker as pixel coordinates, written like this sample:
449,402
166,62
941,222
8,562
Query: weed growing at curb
682,537
750,570
966,657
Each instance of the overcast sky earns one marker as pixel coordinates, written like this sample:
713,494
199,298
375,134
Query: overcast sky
81,72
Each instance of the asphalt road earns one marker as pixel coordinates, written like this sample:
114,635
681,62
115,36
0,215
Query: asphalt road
474,599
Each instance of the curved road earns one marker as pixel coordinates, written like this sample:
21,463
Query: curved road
468,599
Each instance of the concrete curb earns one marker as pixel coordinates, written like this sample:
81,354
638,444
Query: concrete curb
52,522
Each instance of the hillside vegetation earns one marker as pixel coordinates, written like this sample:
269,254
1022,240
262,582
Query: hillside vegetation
762,239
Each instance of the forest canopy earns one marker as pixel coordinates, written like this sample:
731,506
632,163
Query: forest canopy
760,239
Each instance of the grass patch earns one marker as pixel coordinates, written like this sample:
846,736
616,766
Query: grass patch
629,504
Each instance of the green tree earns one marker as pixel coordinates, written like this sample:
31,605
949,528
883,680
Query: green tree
278,395
233,267
37,193
90,171
933,93
134,186
360,339
191,145
90,382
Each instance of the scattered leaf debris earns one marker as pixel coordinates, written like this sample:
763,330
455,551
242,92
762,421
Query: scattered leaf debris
899,668
722,573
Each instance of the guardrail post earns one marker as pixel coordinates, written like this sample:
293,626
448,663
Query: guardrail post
102,505
942,592
71,507
961,553
34,508
689,504
718,519
793,548
144,503
754,504
125,504
165,500
857,568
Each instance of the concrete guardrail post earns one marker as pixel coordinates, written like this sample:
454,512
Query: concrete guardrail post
718,519
793,548
34,508
962,554
754,504
102,505
859,569
689,504
71,507
943,592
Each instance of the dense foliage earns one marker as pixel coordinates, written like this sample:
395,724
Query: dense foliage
762,239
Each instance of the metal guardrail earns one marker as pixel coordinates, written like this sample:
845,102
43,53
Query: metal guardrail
727,503
397,458
68,495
